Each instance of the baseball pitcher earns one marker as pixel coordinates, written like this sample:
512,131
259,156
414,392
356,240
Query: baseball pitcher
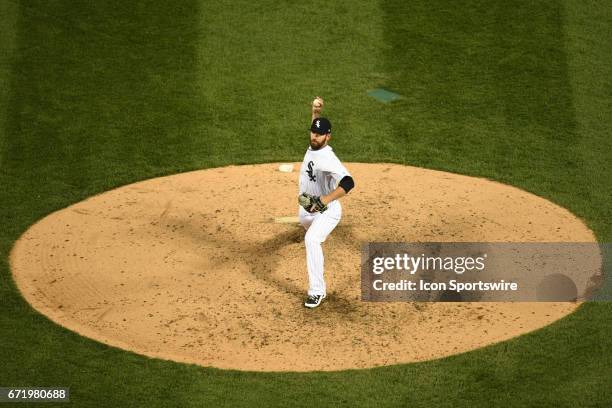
323,181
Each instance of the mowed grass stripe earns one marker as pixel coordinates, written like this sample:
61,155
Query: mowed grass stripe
104,91
262,64
8,33
487,89
587,38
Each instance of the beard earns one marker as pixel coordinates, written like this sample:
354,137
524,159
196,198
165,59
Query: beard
315,146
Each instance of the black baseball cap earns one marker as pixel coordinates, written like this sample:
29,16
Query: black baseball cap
321,126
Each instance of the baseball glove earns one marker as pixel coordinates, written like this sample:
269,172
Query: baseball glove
311,203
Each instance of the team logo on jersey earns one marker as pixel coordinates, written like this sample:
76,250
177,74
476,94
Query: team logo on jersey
310,171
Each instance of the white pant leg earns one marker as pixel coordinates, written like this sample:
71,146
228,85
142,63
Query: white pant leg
318,226
305,217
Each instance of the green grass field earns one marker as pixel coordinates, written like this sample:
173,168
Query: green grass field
95,95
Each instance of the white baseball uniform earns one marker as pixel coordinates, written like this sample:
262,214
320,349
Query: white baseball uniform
320,174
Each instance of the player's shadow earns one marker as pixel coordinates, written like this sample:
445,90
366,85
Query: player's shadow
264,257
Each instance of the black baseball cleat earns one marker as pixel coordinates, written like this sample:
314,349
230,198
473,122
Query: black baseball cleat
314,301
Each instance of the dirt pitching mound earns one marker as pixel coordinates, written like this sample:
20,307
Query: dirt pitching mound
193,268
